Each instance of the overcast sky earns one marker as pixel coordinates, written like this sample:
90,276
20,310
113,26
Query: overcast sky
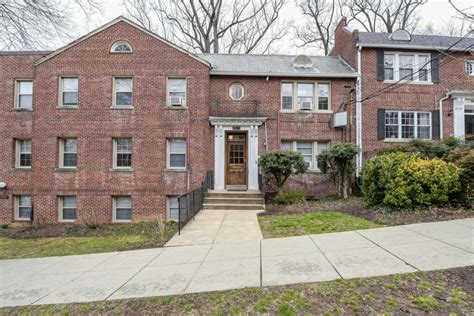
438,12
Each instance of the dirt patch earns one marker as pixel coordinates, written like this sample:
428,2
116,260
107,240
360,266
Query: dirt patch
354,206
439,292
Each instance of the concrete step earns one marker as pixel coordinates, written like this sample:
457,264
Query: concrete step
232,200
233,206
233,194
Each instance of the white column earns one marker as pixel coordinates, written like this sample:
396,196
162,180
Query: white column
219,143
253,158
458,117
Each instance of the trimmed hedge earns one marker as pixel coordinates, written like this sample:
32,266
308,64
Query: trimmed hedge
289,197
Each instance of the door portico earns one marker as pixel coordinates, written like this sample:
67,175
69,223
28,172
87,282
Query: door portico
222,127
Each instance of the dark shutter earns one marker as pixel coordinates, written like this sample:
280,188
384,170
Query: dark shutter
380,65
435,67
435,124
380,123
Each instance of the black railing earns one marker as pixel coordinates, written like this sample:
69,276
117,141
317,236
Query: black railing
189,204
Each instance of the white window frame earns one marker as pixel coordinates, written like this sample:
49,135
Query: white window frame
168,207
114,94
295,99
18,153
61,93
416,78
17,95
61,209
16,206
168,154
62,142
400,139
115,153
168,91
114,209
469,67
239,85
116,44
314,162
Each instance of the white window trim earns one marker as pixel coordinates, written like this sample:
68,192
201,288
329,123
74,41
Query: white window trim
16,101
61,97
400,139
61,209
168,154
17,153
114,45
16,206
314,150
114,151
114,93
295,105
396,68
114,210
230,90
472,67
61,153
168,207
185,99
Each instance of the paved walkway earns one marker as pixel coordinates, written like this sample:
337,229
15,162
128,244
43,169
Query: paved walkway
223,266
219,226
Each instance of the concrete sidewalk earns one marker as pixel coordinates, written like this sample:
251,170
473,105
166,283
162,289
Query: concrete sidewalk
223,266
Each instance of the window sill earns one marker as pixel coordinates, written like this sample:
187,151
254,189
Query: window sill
23,168
421,83
67,107
121,107
67,221
170,107
397,140
121,169
121,221
307,111
22,110
63,169
176,170
22,219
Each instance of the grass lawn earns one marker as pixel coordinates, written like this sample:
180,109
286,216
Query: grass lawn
79,239
445,292
311,223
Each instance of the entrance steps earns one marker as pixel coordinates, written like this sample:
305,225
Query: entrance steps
234,200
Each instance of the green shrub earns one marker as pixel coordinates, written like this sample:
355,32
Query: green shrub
279,165
406,180
426,148
464,158
290,197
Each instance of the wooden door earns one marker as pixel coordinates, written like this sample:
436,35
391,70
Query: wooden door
236,160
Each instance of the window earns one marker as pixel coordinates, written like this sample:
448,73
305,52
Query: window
121,47
23,207
287,96
123,92
176,92
122,211
309,150
123,153
323,96
69,92
68,153
23,153
67,208
388,66
305,96
407,125
173,208
177,153
409,67
469,67
24,94
236,91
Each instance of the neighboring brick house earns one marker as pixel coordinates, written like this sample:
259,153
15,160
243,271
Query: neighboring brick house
435,101
113,126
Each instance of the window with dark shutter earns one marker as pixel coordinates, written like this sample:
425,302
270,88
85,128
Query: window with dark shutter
380,123
435,123
435,67
380,65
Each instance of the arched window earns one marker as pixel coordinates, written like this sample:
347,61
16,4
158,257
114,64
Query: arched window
121,47
236,91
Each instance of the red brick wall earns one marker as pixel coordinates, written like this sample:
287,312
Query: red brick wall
94,124
345,43
409,96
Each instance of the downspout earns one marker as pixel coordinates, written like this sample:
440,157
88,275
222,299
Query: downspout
359,112
441,114
188,149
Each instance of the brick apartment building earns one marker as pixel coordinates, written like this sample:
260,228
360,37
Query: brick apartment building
118,123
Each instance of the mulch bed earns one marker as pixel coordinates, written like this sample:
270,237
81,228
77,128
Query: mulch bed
354,206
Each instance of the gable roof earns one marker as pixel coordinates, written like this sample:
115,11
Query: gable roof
107,25
372,39
277,65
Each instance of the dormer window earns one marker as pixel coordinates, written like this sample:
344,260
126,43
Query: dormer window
121,47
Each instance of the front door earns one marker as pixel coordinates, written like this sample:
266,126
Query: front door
236,161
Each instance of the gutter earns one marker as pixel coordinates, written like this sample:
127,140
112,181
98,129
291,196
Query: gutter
283,74
420,47
448,94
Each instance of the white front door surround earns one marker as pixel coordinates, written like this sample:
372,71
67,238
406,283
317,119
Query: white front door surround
223,124
459,113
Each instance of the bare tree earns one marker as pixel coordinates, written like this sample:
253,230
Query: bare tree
385,15
31,24
211,25
322,18
453,27
464,13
